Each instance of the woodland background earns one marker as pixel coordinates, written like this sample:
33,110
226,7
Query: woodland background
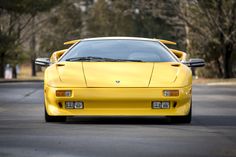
203,28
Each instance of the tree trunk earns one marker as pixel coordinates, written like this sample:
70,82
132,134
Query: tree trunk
14,73
32,48
219,68
227,60
33,66
2,65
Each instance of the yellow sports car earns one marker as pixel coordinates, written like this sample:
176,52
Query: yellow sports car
118,76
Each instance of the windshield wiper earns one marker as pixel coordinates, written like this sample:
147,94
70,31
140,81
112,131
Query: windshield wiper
100,59
127,60
89,58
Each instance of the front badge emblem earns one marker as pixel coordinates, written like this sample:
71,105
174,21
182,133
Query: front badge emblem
117,81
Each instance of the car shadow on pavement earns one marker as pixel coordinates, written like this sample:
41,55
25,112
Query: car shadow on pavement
119,120
197,120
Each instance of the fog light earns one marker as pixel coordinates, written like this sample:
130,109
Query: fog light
78,105
165,104
74,105
171,92
156,104
63,93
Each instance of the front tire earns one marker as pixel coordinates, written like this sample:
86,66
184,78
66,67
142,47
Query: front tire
183,119
49,118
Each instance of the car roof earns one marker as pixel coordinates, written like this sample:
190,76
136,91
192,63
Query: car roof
119,38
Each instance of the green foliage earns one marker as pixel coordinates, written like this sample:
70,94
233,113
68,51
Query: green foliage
104,18
123,18
6,41
64,24
28,6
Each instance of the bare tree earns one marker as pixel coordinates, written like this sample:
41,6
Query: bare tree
212,26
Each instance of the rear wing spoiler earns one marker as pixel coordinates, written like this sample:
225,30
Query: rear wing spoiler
180,54
71,42
167,42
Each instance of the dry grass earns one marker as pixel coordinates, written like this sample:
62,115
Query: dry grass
25,73
212,80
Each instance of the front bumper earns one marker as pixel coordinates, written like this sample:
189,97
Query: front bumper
117,101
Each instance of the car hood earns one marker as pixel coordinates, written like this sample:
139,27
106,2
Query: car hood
122,74
117,74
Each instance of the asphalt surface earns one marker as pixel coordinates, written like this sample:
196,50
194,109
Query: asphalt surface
24,133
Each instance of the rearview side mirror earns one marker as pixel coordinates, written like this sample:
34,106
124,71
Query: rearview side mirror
42,61
195,62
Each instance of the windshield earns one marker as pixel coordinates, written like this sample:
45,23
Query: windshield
119,50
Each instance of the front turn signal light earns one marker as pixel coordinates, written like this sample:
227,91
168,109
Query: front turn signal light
63,93
171,93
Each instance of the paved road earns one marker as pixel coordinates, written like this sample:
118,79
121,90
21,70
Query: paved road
23,131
